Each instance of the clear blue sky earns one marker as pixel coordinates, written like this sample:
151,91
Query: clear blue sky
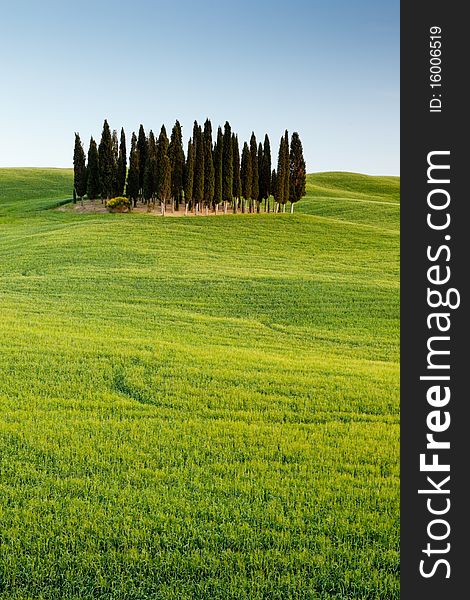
328,69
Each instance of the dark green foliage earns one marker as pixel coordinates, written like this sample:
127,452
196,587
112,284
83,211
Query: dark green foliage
273,182
142,149
165,182
260,173
93,183
115,162
132,189
286,168
254,167
297,169
237,185
151,170
162,152
189,174
246,172
209,171
279,193
218,149
79,168
198,186
106,162
227,164
176,156
265,172
121,165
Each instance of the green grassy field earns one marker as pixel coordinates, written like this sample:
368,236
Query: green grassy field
199,408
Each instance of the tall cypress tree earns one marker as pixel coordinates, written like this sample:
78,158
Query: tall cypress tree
209,171
260,174
198,186
79,169
281,174
218,152
265,177
189,174
106,162
227,164
297,170
246,174
115,162
142,149
162,151
132,189
121,165
93,184
254,167
176,156
273,182
151,171
286,170
165,183
237,186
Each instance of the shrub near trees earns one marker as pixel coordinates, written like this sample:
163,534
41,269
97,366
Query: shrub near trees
211,173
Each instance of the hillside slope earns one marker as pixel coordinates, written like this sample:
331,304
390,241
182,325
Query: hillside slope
199,408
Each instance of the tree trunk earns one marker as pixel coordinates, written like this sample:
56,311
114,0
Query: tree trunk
292,207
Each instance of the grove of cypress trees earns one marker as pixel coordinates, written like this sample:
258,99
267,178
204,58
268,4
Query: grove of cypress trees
237,185
106,162
227,165
218,149
297,170
142,149
198,186
176,156
121,165
132,189
79,169
189,175
254,168
246,174
265,174
93,184
209,171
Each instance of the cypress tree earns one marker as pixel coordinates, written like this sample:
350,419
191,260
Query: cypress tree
281,174
93,184
209,171
162,151
227,164
106,162
273,182
237,185
176,156
198,185
142,149
150,172
79,169
218,151
121,165
254,167
165,184
115,162
297,170
189,174
286,171
132,189
246,174
260,175
265,178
